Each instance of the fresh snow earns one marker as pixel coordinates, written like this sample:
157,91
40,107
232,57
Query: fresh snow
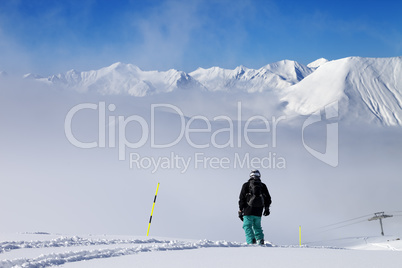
253,257
71,244
364,243
41,250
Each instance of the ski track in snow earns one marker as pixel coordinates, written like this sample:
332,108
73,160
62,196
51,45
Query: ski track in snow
70,242
73,249
148,245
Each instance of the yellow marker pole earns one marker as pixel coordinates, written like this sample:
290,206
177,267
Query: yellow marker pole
299,235
153,206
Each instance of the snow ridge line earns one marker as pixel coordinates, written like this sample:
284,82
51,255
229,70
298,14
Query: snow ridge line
70,242
84,255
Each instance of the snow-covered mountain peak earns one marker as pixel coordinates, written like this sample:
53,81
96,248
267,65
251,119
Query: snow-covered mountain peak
122,78
119,68
117,65
32,76
211,72
291,71
367,88
273,76
317,63
280,65
240,69
72,73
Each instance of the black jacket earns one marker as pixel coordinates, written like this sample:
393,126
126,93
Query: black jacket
243,206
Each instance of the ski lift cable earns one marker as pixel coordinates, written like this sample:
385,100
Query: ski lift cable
342,226
345,221
317,230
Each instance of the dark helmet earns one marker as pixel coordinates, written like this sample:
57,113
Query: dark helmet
255,174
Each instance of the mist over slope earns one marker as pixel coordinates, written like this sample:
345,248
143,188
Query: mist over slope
365,89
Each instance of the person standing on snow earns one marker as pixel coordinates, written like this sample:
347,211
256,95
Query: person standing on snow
254,201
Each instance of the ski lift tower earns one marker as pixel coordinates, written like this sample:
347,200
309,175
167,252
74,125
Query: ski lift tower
380,216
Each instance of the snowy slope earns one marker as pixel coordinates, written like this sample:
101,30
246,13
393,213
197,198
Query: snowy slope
120,78
277,75
366,88
392,243
46,250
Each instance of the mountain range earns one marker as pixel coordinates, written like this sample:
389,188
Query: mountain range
367,88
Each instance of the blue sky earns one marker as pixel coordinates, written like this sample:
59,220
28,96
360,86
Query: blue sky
48,37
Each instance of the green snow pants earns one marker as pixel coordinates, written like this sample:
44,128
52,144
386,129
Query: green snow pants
252,227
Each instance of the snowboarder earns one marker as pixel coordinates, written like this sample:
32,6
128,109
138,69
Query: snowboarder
254,201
